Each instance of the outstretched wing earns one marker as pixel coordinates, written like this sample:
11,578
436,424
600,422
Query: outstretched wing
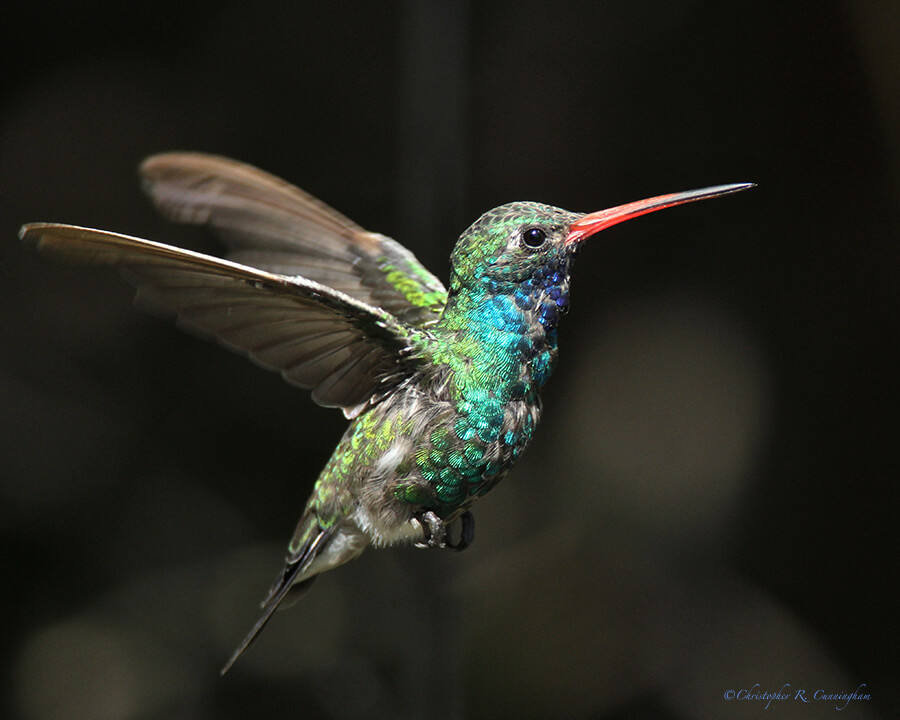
274,226
349,353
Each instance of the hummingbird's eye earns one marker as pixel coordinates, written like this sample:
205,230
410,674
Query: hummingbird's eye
534,237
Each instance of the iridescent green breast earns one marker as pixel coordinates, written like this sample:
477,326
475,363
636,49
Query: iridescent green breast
497,359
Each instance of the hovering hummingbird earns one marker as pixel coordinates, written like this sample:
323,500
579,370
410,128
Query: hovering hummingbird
441,385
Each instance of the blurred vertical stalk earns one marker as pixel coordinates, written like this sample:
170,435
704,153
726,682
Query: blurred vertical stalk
432,120
432,189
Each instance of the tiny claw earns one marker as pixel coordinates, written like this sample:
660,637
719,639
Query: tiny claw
466,532
433,530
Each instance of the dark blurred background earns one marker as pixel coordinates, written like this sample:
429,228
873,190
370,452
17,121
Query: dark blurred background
710,502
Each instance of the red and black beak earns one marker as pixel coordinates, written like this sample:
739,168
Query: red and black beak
595,222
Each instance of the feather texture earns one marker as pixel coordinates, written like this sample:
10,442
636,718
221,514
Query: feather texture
272,225
347,352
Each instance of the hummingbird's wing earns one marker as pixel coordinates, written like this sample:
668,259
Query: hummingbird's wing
272,225
349,353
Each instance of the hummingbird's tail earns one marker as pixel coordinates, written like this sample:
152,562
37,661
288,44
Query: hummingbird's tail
280,590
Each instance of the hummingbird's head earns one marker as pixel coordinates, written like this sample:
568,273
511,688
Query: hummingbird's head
512,244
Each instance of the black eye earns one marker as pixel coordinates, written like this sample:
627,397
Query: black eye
534,237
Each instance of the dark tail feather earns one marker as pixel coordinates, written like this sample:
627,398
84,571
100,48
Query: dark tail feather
278,593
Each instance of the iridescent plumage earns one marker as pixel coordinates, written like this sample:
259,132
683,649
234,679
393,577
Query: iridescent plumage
441,385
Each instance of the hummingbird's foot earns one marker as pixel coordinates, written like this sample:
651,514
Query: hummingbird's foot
433,529
466,532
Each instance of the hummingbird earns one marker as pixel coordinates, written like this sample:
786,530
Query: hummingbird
441,384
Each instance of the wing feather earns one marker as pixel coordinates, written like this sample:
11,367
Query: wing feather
274,226
347,352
